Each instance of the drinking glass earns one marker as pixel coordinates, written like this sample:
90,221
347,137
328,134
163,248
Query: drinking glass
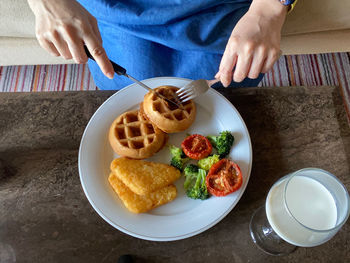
305,208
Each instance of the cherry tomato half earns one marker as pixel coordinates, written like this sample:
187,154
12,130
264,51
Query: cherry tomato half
196,146
224,177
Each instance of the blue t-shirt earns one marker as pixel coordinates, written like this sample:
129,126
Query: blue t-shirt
153,38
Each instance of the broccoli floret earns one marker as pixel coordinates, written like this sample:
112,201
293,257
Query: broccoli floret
178,158
206,163
190,173
222,143
195,182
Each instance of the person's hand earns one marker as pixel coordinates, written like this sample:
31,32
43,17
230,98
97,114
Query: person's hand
64,26
254,45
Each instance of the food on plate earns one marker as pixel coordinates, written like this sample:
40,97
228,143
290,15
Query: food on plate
143,177
194,185
167,116
178,157
208,162
211,175
196,146
142,111
131,135
223,178
141,203
222,143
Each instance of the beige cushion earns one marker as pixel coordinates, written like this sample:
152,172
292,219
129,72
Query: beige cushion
318,15
25,51
317,42
16,19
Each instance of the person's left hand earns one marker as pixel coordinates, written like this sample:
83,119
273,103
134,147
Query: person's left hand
254,45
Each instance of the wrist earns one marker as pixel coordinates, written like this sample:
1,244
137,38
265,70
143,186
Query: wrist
35,5
272,9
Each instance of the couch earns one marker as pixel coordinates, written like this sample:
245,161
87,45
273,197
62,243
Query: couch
314,26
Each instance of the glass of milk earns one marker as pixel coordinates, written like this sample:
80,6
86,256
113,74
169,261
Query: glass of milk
305,208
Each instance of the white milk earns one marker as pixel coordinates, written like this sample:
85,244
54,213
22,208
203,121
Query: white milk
310,203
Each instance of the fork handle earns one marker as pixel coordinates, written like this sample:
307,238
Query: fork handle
117,68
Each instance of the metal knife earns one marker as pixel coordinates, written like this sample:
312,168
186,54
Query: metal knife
122,71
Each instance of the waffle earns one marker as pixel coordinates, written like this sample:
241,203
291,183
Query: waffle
166,116
131,135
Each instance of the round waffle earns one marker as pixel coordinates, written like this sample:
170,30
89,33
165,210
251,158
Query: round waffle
166,116
133,136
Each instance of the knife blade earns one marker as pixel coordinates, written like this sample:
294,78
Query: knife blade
152,90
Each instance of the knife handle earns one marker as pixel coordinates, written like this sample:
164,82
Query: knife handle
117,68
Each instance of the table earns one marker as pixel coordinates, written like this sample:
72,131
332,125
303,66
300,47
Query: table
45,216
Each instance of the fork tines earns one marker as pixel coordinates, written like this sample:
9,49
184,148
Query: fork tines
185,93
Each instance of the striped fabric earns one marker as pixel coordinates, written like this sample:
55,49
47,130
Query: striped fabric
332,69
294,70
46,78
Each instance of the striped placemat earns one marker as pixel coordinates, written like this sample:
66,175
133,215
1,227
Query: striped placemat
70,77
331,69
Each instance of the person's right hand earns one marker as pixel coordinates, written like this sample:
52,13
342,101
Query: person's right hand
64,26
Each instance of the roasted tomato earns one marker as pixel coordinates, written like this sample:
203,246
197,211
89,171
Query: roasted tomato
196,146
224,177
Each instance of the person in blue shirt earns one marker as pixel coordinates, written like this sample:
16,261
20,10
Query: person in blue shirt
233,41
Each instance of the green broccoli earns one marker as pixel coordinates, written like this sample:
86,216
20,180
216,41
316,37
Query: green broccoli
222,143
206,163
195,182
190,172
178,158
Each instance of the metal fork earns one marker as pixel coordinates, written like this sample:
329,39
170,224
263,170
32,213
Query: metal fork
194,89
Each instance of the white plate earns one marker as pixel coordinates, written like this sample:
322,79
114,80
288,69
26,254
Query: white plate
183,217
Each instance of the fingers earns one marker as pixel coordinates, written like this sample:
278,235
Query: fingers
96,29
75,44
227,63
250,62
78,52
257,63
226,69
99,54
240,60
97,51
68,43
272,57
60,45
243,63
63,27
48,46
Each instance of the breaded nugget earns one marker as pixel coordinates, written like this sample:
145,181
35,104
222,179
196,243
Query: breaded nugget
143,177
141,203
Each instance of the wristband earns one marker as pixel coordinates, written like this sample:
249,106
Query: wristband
289,3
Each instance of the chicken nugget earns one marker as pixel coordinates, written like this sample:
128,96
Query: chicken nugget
141,203
143,177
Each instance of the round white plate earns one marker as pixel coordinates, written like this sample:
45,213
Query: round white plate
183,217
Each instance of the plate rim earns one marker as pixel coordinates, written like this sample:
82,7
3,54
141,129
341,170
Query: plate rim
170,238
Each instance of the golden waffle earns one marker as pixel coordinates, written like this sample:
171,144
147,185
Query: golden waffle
131,135
141,203
166,116
143,177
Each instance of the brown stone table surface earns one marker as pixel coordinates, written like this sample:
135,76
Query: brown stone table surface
45,216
